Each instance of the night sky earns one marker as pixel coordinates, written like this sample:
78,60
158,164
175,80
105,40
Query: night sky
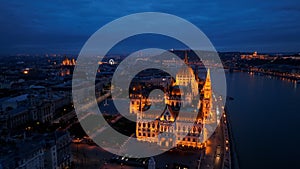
63,26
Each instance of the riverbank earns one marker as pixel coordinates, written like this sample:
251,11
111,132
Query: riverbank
263,108
233,153
282,75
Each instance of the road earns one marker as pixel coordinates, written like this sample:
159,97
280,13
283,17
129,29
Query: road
89,157
210,159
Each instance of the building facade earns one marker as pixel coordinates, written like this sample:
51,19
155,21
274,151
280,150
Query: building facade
46,151
162,125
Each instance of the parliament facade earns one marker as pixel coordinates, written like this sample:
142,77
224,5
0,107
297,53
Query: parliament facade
161,124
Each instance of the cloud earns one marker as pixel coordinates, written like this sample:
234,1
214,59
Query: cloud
66,25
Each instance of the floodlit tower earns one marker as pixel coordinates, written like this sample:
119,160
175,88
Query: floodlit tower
207,99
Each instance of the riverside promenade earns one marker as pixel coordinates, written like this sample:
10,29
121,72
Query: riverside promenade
231,157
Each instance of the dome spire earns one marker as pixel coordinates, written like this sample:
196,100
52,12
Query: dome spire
186,60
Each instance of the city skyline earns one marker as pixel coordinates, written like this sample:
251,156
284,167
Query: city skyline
36,100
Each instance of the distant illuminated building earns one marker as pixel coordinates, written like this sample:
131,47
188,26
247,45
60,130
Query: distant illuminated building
65,72
26,71
255,56
69,62
67,67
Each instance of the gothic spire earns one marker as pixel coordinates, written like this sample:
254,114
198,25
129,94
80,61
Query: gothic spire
207,84
208,76
186,60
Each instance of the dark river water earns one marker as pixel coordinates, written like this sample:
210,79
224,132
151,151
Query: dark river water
265,117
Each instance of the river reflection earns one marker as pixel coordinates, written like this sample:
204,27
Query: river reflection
265,116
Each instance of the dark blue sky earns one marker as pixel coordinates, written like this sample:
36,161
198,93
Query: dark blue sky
62,26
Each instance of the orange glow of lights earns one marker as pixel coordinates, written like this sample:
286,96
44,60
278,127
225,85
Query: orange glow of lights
69,62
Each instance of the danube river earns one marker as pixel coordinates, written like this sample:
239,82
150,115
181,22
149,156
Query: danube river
265,118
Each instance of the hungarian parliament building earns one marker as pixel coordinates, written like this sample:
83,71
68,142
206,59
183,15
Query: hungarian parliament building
163,125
